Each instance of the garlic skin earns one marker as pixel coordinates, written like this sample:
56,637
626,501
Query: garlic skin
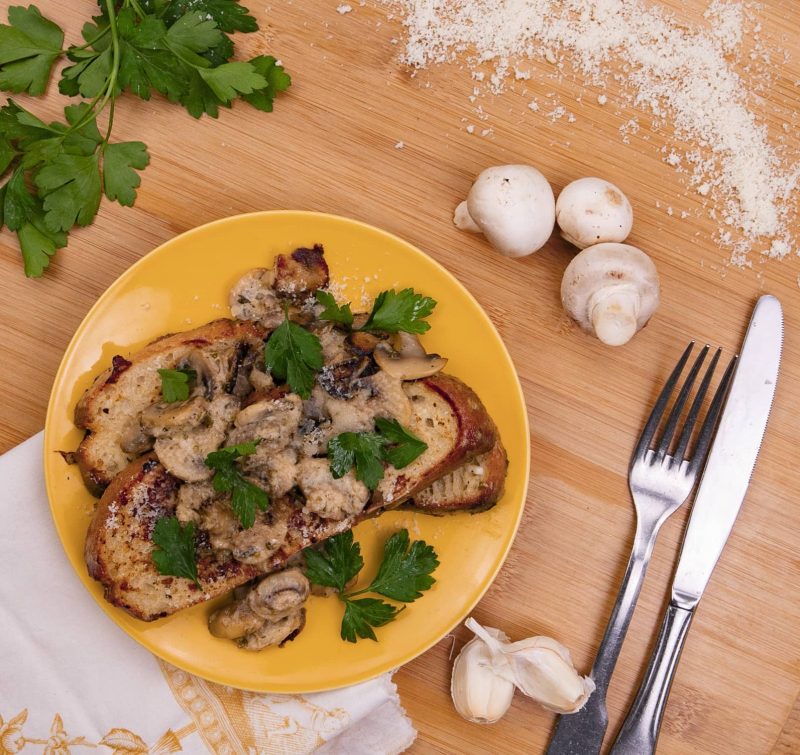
479,694
540,667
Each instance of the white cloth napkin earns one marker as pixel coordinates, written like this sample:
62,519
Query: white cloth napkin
71,681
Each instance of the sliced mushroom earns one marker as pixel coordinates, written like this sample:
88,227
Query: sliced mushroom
362,343
213,370
278,595
134,440
276,633
234,620
184,449
191,498
407,360
163,419
258,543
342,379
261,380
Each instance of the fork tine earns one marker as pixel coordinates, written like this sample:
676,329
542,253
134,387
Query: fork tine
710,422
661,404
694,410
672,421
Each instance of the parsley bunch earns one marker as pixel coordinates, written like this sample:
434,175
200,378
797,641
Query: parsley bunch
57,172
367,451
404,574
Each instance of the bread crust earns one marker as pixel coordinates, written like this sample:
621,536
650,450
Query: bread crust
98,458
450,493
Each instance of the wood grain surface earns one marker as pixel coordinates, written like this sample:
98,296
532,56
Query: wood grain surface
330,146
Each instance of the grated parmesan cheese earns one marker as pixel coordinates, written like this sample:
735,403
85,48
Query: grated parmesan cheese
675,70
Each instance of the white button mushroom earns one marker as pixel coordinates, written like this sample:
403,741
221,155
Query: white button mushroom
611,291
591,211
513,206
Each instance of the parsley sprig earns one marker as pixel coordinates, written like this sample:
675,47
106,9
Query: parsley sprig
367,451
245,496
332,311
175,384
174,553
57,172
403,575
395,311
392,311
294,354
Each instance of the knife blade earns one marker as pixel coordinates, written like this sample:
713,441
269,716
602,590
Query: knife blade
719,497
732,459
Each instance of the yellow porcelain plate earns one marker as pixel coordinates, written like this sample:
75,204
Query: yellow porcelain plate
185,283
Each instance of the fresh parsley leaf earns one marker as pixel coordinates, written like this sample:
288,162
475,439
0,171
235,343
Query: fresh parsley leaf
175,550
38,244
402,446
405,570
230,80
395,311
367,451
336,562
229,15
29,46
19,203
333,311
363,614
175,384
192,32
360,450
245,496
403,574
294,354
120,163
277,81
70,185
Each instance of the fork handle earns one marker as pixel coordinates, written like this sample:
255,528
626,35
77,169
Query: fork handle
639,732
582,733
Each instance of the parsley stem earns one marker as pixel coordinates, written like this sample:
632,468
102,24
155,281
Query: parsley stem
96,38
136,7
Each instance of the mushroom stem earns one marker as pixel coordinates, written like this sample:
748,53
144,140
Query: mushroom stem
614,312
463,220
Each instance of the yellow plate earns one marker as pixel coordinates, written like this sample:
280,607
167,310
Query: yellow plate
185,283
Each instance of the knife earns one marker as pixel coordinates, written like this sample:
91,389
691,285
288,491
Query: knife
719,496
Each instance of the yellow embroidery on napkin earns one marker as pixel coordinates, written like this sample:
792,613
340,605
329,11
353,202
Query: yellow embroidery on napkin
119,741
236,722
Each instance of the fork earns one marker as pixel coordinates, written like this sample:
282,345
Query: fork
659,482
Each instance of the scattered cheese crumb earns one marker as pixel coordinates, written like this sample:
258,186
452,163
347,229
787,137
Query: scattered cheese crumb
681,71
399,145
342,9
470,129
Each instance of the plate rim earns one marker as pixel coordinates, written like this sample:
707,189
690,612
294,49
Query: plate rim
111,610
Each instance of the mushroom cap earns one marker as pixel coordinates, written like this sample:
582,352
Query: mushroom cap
617,276
514,207
592,211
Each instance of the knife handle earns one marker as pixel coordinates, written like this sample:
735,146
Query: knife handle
639,732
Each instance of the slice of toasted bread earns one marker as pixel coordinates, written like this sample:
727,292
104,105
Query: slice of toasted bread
475,486
447,415
111,406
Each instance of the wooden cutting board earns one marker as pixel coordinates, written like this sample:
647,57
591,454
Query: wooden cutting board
332,145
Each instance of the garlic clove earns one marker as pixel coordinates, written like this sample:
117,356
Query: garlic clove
540,667
543,670
479,694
